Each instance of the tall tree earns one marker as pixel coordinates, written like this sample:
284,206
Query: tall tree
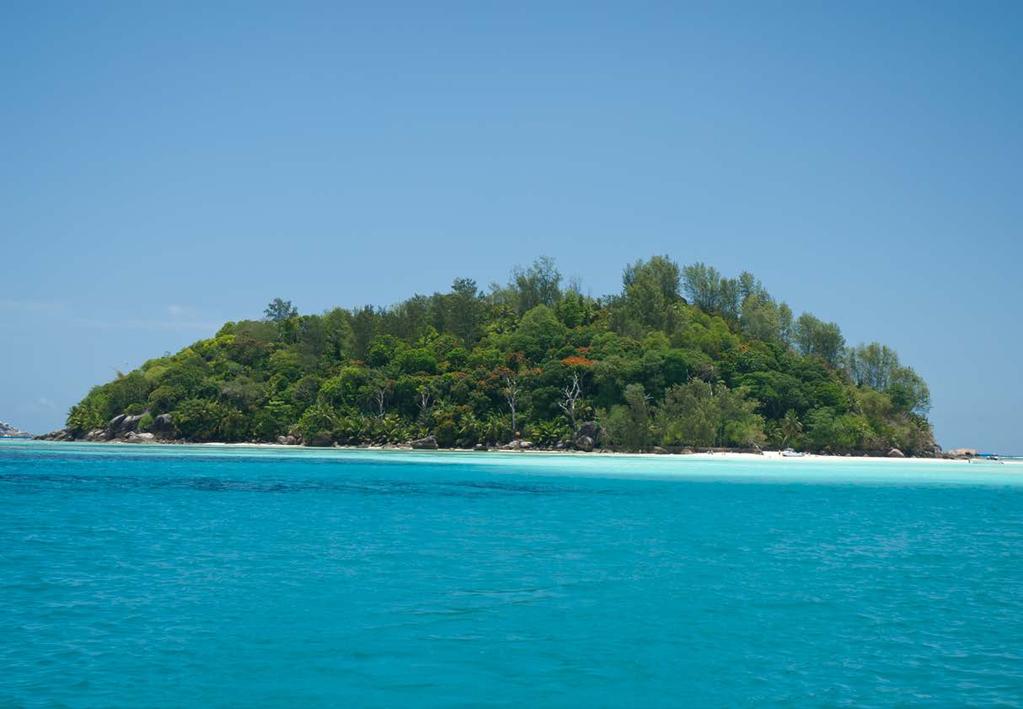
710,291
540,284
279,310
814,337
364,326
877,366
465,310
872,365
650,290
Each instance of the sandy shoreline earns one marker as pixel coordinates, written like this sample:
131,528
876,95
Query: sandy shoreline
775,456
766,456
602,454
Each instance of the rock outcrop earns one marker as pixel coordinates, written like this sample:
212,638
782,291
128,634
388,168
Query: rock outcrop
135,437
517,445
319,440
428,443
163,427
586,436
124,427
583,443
121,426
62,434
9,431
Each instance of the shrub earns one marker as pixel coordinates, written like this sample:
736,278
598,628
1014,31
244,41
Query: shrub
146,422
548,433
199,419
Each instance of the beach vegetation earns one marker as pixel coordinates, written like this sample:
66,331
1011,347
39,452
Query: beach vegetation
678,357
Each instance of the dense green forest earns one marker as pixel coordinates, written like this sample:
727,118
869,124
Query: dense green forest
681,357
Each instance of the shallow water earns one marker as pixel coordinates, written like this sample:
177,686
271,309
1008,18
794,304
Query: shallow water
174,575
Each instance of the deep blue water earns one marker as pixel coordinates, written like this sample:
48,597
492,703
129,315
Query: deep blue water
181,576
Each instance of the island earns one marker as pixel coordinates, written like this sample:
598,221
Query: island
9,431
680,359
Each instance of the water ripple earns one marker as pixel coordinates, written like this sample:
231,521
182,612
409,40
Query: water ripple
168,580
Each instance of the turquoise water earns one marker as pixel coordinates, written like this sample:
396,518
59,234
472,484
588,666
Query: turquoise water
199,576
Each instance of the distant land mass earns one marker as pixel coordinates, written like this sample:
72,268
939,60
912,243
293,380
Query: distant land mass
9,431
682,358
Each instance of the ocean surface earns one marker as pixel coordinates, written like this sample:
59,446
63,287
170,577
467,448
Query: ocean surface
215,576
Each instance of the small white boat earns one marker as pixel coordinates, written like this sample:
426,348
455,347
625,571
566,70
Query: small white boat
789,453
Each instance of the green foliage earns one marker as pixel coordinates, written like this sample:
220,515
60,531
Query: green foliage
318,425
416,361
909,392
575,309
146,422
464,311
699,414
828,432
872,365
204,420
709,291
727,365
816,338
790,428
540,284
273,420
279,310
346,388
651,292
127,393
88,414
689,416
538,333
628,425
548,433
877,367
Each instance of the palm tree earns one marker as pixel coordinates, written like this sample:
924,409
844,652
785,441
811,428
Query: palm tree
791,427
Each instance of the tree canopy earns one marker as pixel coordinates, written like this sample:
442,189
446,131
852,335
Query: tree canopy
679,357
280,309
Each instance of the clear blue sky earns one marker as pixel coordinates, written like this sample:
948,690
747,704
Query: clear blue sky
168,166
